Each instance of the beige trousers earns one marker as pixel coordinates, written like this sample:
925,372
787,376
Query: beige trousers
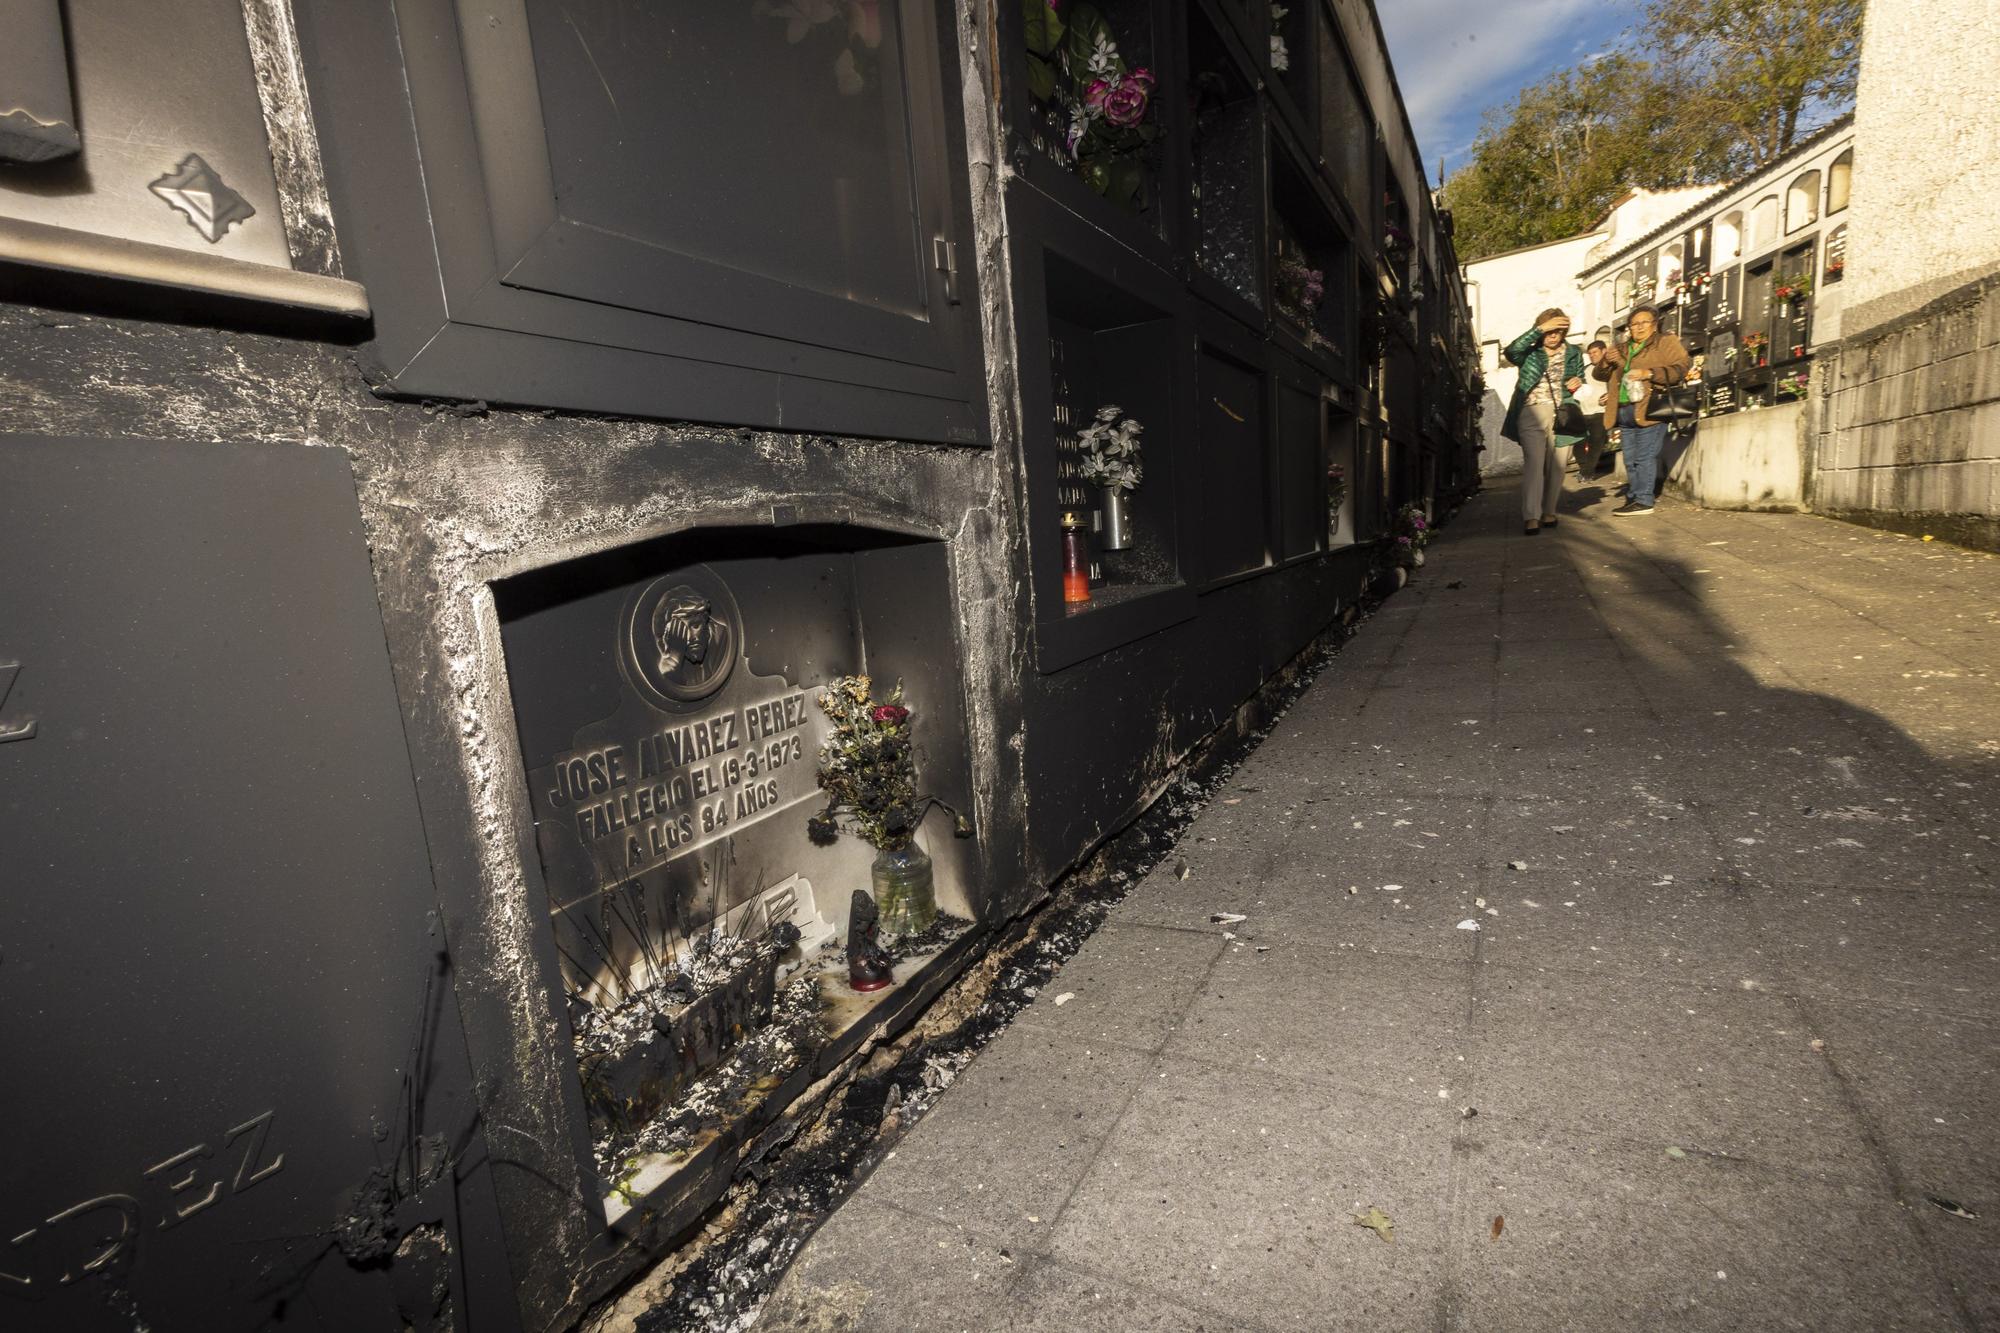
1543,461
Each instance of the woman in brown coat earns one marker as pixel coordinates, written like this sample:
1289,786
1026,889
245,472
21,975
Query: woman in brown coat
1643,362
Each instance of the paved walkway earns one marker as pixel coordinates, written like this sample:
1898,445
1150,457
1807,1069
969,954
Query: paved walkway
1720,793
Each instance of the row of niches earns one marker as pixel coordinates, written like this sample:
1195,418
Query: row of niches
1166,471
1110,364
734,825
1751,390
1174,159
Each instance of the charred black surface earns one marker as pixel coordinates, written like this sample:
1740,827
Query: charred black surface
785,1197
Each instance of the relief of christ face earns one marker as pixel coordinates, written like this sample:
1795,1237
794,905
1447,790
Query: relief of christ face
682,627
677,638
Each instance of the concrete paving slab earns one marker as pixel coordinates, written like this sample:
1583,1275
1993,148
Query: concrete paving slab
1638,831
1031,1097
1929,1085
1700,933
1368,1021
1597,1236
1235,1191
876,1269
1883,844
1722,1070
1131,984
1049,1298
1614,706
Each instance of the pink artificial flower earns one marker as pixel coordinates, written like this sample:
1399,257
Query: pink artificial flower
891,715
864,21
1122,101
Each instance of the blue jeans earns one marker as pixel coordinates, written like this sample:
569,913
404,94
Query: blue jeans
1642,445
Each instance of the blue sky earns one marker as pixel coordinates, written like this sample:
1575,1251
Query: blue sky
1455,58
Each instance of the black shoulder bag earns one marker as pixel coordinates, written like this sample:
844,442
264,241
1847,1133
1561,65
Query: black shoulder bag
1570,416
1673,402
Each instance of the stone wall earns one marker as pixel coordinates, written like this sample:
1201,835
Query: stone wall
1746,460
1905,420
1904,429
1924,159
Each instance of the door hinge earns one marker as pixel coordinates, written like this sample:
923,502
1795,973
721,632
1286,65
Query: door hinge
945,255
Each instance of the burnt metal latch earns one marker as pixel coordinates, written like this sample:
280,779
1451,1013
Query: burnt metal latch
37,108
945,255
20,728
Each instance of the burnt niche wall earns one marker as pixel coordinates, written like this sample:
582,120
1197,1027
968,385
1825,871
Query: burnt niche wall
666,699
370,884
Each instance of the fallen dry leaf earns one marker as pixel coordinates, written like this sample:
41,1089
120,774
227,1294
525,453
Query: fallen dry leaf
1376,1221
1498,1222
1181,871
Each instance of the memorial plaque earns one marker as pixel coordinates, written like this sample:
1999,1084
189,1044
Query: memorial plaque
696,746
667,703
697,751
1722,298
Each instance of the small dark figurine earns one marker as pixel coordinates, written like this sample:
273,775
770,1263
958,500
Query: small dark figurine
867,960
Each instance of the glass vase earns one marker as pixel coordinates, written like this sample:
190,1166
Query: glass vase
904,894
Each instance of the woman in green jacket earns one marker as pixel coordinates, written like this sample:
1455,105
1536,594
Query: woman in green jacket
1551,373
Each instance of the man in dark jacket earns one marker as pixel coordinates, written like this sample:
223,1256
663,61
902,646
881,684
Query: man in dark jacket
1643,362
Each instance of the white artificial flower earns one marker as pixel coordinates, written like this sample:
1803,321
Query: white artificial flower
1104,59
847,75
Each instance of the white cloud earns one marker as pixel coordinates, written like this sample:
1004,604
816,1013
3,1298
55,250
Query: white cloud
1455,57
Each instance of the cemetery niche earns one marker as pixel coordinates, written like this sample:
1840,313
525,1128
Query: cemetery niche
668,704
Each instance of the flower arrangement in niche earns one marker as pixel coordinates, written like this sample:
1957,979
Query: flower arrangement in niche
1281,55
1794,384
1075,67
1410,532
1110,447
1754,345
1835,268
856,59
1300,290
868,769
1794,287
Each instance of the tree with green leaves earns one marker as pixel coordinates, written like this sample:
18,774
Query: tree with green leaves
1771,72
1550,164
1709,90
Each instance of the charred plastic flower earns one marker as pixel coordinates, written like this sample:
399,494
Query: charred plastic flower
867,767
1122,99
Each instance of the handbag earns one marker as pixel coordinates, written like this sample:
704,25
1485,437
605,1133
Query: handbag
1570,418
1673,402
